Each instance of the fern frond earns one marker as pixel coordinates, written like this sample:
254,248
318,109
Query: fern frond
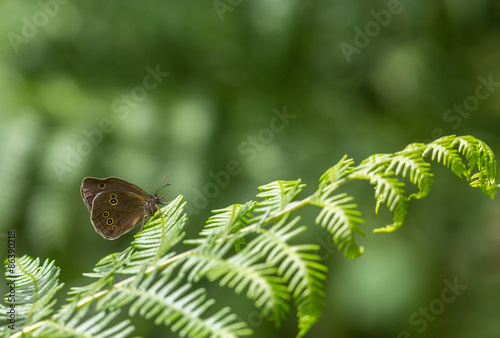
239,272
299,268
34,288
409,163
476,152
278,195
337,172
442,150
104,272
267,290
174,305
110,264
479,155
95,326
341,219
388,190
226,221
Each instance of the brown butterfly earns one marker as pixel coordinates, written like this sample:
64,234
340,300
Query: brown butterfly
116,206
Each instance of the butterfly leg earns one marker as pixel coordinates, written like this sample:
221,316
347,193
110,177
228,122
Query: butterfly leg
161,212
142,226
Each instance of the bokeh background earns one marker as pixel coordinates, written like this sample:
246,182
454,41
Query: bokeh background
74,103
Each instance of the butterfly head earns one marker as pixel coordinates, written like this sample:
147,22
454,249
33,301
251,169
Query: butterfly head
154,202
155,199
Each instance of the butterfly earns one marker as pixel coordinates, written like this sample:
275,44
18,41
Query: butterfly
117,206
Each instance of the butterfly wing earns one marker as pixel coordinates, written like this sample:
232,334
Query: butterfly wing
115,212
92,186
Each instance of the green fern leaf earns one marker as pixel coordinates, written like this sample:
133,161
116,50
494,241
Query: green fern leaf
35,286
388,190
442,150
173,304
336,173
479,155
299,268
278,195
95,326
341,219
110,264
239,272
226,221
409,163
104,272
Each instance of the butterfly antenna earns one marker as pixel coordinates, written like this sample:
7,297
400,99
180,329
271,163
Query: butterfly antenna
166,185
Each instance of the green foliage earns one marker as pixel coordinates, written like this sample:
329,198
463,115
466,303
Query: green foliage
249,248
35,287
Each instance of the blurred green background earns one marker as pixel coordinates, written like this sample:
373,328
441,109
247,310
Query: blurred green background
77,99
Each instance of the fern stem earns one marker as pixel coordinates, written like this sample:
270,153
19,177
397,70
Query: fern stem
100,294
290,208
30,328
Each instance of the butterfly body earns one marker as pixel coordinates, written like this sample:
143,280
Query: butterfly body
117,206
